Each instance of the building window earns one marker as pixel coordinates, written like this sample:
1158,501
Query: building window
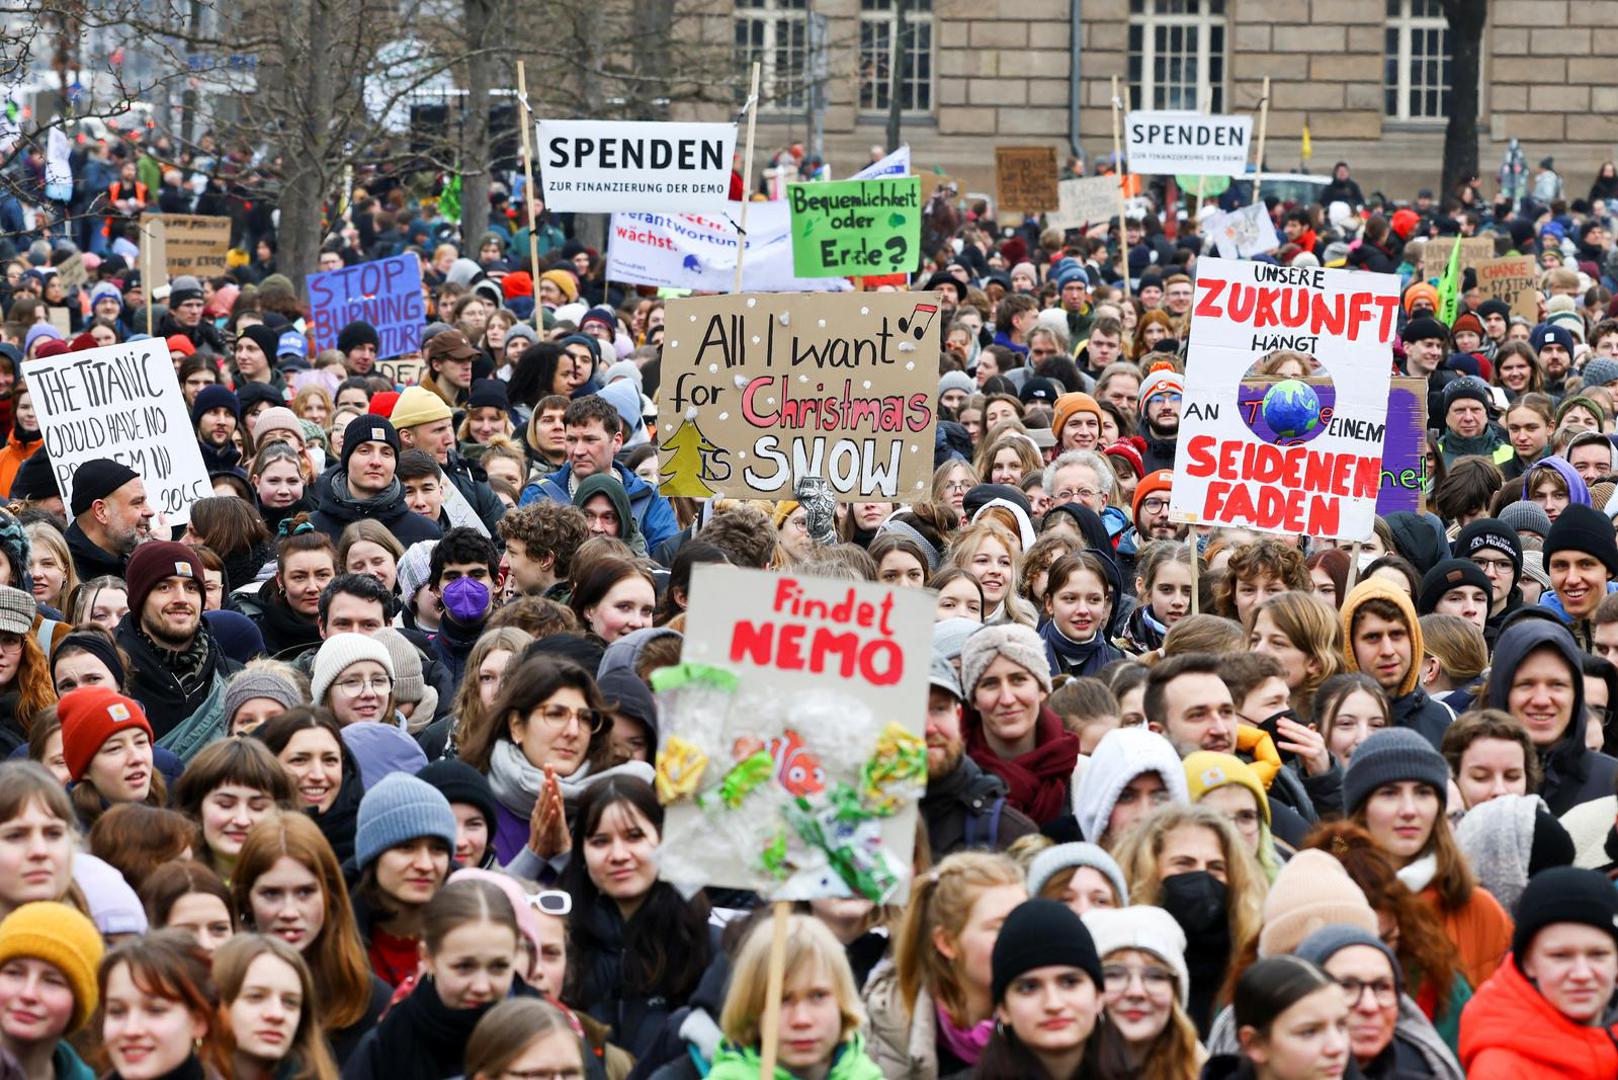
776,34
1416,67
878,22
1177,54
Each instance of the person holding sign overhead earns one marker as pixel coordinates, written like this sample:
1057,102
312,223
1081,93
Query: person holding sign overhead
110,515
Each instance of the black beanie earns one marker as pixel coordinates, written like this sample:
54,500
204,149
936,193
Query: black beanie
34,479
1043,933
1467,386
368,428
96,479
1423,329
357,333
1490,533
1494,307
1552,846
267,338
1563,894
1585,529
461,783
625,693
1450,574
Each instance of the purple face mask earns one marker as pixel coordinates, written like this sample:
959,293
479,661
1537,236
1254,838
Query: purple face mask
466,599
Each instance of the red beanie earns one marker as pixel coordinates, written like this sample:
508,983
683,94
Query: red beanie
1161,480
517,283
179,343
90,716
382,404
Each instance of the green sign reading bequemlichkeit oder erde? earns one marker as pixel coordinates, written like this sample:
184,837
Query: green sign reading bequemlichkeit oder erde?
856,228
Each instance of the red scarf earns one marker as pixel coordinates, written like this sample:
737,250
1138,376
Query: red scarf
1038,780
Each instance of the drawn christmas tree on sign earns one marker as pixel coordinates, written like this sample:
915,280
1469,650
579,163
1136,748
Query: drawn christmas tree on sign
685,464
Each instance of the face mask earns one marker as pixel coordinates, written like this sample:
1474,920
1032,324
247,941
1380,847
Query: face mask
1197,902
466,599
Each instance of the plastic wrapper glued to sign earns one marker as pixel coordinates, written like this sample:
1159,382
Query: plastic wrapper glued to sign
793,752
762,390
1296,455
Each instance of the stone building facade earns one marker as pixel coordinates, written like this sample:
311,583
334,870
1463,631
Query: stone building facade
1367,77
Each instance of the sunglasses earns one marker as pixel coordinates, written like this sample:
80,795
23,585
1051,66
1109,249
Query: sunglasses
552,902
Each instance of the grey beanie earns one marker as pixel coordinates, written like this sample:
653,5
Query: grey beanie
1526,517
1328,941
399,809
1053,860
949,636
957,380
1600,372
1387,757
941,676
1017,643
259,684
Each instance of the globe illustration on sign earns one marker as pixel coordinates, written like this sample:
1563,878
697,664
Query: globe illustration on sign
1291,408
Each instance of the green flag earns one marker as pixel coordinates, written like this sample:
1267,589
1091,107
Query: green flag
1449,287
449,203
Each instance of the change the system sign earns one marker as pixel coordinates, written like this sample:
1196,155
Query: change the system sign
1298,456
598,166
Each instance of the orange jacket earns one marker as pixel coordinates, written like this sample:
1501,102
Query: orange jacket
12,455
1481,930
1510,1032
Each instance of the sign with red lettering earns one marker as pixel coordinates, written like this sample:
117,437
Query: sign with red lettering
761,389
792,748
1284,454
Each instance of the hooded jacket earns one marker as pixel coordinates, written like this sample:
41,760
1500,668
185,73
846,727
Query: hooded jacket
339,509
1577,491
1410,706
610,486
1121,756
15,452
652,512
1573,774
1509,1032
959,811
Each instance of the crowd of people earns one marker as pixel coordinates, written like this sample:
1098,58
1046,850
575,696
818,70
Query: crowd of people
352,774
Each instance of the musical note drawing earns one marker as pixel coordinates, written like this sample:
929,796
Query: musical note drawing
908,321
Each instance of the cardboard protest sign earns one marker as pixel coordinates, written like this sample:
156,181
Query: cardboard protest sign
762,389
1434,255
1025,179
698,251
791,750
598,166
71,271
1404,448
1299,456
1243,233
192,243
385,293
62,320
1187,143
154,249
401,370
1514,280
855,227
121,402
1083,202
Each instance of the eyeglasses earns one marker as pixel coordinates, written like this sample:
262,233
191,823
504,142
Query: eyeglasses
1383,992
355,685
958,486
542,1074
1154,505
1156,980
557,717
1082,494
1491,567
552,902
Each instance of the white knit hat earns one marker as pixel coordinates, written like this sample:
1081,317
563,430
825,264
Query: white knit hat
1144,927
1015,642
340,652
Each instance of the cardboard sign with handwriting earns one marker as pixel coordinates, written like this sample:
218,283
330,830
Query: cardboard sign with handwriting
1025,179
760,389
193,243
1514,280
1435,253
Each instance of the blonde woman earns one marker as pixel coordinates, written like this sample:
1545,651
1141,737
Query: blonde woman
50,566
990,553
1190,861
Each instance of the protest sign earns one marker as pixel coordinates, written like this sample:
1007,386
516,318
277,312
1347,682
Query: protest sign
1404,448
598,166
855,227
192,243
1084,201
1514,280
71,271
385,293
791,749
698,251
762,389
1302,456
121,402
62,320
1187,143
1434,254
401,370
153,252
1243,233
1025,179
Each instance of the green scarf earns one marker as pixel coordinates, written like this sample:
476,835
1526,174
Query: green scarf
742,1063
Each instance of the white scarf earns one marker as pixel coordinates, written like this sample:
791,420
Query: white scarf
1419,874
517,782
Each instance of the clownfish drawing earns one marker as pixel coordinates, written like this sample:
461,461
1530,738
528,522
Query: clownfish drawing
797,767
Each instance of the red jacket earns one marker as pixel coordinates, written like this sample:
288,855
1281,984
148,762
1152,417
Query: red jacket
1510,1032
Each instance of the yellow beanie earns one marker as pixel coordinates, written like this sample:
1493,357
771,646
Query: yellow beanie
783,510
1206,770
418,405
68,941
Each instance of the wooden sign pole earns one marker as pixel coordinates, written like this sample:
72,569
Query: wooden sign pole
1263,124
528,173
146,271
770,1025
1353,567
1123,182
747,191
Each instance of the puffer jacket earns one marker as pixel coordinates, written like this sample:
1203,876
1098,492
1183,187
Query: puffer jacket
1510,1032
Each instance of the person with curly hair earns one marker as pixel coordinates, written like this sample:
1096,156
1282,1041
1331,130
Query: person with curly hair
1257,571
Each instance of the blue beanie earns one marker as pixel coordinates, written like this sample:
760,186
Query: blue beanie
214,396
1546,332
399,809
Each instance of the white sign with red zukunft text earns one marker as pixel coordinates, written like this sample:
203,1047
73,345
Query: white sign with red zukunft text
1302,456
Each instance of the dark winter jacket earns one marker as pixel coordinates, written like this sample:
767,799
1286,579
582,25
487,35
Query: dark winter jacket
652,511
90,560
157,689
968,809
339,509
473,484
